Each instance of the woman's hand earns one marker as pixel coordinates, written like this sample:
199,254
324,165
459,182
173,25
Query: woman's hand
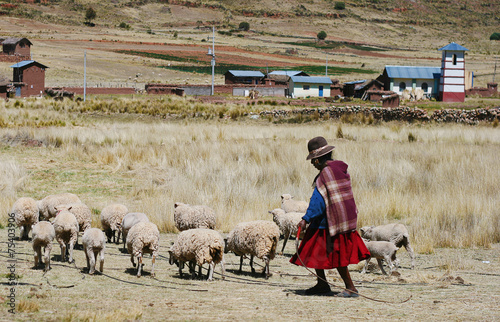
302,225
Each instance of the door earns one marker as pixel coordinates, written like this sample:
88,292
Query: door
320,91
18,91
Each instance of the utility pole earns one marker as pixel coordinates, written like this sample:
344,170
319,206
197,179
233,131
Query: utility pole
212,62
326,68
84,75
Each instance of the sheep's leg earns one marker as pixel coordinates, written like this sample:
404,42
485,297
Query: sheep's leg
114,238
222,268
381,266
241,263
63,251
124,239
366,265
101,260
38,256
139,265
153,266
132,259
181,266
71,245
91,259
192,269
284,242
21,233
412,255
210,275
87,258
266,267
46,256
389,263
118,236
251,264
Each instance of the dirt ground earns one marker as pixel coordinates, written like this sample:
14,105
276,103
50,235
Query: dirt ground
450,284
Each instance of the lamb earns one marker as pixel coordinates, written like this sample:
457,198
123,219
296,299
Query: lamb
42,236
81,211
47,206
94,243
287,222
128,221
257,238
111,218
198,246
288,204
25,212
189,217
395,233
66,229
381,250
143,238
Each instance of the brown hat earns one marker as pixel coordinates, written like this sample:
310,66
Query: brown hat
318,147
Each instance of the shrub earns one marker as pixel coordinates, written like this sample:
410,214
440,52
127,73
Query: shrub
495,36
245,26
124,25
340,5
321,35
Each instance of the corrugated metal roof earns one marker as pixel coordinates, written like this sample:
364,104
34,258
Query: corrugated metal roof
285,72
13,41
413,72
453,46
246,73
311,79
356,82
27,62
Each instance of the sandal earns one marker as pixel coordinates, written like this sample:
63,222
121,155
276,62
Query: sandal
318,289
347,293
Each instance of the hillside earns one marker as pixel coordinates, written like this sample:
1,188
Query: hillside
135,42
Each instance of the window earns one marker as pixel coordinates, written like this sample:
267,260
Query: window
425,87
454,59
305,87
402,86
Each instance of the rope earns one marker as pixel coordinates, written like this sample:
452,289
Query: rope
339,287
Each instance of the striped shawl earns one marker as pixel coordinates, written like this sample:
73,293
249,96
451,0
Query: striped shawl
334,185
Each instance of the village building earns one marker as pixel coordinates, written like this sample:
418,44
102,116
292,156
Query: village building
247,77
309,86
452,81
282,77
20,47
411,78
28,78
4,86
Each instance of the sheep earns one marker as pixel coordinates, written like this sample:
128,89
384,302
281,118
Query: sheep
25,212
198,246
111,218
287,222
189,217
288,204
66,228
257,238
94,243
81,211
42,236
143,238
130,220
47,206
381,250
395,233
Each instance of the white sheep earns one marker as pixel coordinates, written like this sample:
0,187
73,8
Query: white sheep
47,206
42,236
381,250
25,212
198,246
94,243
129,220
189,217
395,233
66,228
111,218
287,222
258,238
143,238
288,204
82,213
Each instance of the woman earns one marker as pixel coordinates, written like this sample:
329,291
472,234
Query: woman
331,239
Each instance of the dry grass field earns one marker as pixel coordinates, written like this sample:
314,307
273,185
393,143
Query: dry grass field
442,183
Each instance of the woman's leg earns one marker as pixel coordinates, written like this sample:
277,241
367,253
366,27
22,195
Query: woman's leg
346,277
321,286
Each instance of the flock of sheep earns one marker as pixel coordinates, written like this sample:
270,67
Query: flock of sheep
63,216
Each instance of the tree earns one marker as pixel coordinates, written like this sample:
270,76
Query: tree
244,26
495,36
90,15
321,35
340,5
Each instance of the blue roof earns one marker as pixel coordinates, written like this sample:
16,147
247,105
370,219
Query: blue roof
356,82
246,73
311,79
413,72
26,63
453,46
285,72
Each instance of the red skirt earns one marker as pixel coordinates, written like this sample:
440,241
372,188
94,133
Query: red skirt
319,250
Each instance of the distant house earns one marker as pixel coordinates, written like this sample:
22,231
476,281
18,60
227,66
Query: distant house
349,87
28,78
361,90
16,47
400,78
309,86
281,77
243,77
4,84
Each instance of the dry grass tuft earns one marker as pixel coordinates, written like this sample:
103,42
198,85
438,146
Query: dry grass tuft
28,306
